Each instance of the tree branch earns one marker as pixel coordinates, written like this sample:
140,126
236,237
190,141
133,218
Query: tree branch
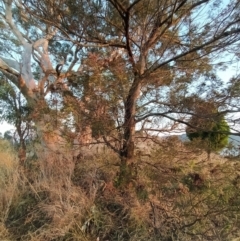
6,68
184,122
110,145
121,10
213,40
133,4
8,17
139,119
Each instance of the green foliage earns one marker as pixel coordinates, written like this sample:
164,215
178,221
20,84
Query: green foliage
13,107
210,128
7,98
102,127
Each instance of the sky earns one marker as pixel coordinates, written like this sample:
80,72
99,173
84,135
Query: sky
5,127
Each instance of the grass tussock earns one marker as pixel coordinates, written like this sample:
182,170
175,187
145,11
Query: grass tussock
174,194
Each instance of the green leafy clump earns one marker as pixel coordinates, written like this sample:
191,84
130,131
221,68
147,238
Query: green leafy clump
209,128
216,135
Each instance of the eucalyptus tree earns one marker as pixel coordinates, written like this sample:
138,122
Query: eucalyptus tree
136,59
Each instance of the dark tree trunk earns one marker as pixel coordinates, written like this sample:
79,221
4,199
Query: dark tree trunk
209,155
127,150
22,153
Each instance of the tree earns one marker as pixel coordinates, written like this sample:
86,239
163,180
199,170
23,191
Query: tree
14,110
209,127
8,136
136,59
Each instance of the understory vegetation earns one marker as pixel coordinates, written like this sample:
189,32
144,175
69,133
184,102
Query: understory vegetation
174,194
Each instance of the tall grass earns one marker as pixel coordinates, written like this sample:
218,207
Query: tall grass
175,195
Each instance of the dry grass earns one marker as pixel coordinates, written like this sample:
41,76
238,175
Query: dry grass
8,184
174,195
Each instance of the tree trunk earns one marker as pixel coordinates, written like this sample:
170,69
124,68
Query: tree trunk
22,153
209,155
127,150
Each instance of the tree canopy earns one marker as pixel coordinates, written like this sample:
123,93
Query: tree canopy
107,68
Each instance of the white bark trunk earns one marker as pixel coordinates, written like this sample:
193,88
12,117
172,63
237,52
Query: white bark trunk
26,72
22,76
